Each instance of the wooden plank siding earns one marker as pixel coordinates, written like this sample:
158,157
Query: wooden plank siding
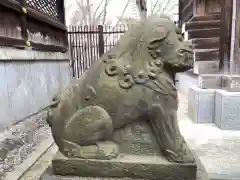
225,34
23,20
235,56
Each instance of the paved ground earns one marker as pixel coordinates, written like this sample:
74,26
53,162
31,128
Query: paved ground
218,150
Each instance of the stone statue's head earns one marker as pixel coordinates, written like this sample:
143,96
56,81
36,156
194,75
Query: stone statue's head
164,41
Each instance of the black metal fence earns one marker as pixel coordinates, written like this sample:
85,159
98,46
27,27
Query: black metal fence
88,43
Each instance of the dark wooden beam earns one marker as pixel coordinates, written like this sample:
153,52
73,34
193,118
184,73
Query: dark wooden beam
24,29
45,19
225,33
235,66
179,14
12,42
48,47
20,44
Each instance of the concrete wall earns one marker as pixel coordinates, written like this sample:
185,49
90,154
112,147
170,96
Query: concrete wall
28,79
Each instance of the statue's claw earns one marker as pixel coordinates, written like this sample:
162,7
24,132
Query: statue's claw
179,158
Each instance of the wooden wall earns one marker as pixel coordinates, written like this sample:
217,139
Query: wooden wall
236,51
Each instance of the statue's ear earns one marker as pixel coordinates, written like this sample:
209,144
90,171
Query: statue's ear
157,37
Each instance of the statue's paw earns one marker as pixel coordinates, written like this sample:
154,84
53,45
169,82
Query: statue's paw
179,158
102,150
108,150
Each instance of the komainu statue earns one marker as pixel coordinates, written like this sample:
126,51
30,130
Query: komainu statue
126,103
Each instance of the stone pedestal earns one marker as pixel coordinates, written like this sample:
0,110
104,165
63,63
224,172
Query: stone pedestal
134,166
210,81
139,157
227,110
201,104
229,83
215,106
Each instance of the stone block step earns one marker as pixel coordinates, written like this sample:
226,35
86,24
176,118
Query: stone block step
204,33
206,55
201,104
202,24
206,67
205,43
206,17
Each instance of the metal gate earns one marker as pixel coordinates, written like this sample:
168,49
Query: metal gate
88,43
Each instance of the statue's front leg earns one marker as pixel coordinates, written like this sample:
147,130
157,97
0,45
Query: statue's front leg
168,135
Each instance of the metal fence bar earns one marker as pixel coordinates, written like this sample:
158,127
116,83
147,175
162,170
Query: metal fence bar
88,43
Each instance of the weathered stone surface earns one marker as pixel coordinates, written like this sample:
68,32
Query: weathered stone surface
210,81
217,150
206,67
126,103
220,81
138,139
144,167
201,104
231,83
227,110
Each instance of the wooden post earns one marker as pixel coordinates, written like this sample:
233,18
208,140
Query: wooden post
235,53
61,13
180,14
100,40
24,21
225,34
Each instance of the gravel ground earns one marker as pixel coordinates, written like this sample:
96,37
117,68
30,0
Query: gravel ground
17,143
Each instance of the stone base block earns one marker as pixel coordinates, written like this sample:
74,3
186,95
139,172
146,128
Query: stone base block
220,81
201,104
132,166
210,81
231,83
206,67
227,110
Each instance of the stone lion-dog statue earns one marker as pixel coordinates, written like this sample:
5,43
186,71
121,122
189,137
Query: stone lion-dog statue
131,82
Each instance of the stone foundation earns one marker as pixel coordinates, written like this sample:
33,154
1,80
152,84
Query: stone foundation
227,110
134,166
201,104
215,106
220,81
139,157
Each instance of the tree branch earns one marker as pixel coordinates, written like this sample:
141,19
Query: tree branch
94,14
154,7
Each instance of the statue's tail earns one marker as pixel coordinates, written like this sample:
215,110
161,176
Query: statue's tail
49,118
54,104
